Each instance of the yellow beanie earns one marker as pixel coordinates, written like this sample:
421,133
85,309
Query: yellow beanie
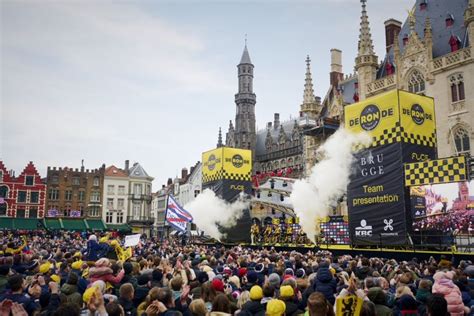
45,267
276,308
56,278
77,265
286,291
86,297
78,254
256,293
114,243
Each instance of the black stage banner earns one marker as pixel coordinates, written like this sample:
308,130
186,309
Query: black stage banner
375,197
229,190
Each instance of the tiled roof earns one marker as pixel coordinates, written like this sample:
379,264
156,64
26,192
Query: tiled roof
113,171
137,171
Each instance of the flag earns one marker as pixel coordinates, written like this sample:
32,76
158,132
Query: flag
177,216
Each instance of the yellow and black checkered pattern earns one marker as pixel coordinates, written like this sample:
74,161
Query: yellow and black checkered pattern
213,177
236,176
451,169
398,134
222,174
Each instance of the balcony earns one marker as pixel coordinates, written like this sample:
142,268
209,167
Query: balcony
452,60
383,84
143,197
140,220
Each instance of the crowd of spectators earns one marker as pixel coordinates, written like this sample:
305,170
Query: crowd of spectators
73,274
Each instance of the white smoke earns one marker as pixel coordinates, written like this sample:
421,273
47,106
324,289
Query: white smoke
209,210
317,194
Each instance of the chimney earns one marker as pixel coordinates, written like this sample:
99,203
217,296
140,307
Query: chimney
392,29
336,74
127,165
276,120
184,173
317,99
170,181
269,125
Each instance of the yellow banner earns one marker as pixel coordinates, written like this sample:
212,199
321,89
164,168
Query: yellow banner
417,119
212,162
350,305
377,116
237,164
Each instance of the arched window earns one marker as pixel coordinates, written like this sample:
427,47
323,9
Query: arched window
3,191
457,87
461,140
416,82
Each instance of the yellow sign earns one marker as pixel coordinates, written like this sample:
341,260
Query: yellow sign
227,163
395,116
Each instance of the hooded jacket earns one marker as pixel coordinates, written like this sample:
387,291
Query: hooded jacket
325,283
377,296
253,308
105,274
71,294
444,285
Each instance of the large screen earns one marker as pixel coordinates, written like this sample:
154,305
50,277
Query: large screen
447,207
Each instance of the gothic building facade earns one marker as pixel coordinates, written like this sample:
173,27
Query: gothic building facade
430,53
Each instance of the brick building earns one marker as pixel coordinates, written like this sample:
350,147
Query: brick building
75,192
23,196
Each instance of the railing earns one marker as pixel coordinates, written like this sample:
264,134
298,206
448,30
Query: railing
451,59
382,84
140,219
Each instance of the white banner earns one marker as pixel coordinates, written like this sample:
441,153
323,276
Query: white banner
132,240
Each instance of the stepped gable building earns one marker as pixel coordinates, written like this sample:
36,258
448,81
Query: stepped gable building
75,192
115,196
431,54
23,196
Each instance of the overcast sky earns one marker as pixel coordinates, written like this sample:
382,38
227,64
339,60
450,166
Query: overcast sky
152,81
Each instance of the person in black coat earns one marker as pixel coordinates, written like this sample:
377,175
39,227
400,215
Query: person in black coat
324,282
254,306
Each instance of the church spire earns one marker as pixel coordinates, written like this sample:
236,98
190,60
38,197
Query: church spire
308,96
245,56
366,46
219,139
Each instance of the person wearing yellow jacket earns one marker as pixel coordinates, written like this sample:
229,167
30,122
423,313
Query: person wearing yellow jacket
11,250
122,254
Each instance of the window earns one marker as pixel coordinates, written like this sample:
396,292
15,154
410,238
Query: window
29,180
94,211
137,189
110,189
20,213
196,193
110,204
96,182
95,196
120,204
76,181
108,217
33,212
21,197
457,87
68,195
416,82
461,140
161,203
121,190
119,217
55,179
80,208
1,175
136,210
34,197
82,195
3,209
3,191
53,194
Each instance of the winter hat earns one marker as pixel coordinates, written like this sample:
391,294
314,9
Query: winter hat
274,280
407,302
256,293
217,285
72,278
127,267
143,279
235,280
259,267
77,265
55,278
300,273
93,237
219,269
202,277
289,271
252,277
45,267
275,308
286,291
242,272
227,271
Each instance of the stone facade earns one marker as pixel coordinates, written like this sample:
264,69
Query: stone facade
139,200
74,192
115,196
